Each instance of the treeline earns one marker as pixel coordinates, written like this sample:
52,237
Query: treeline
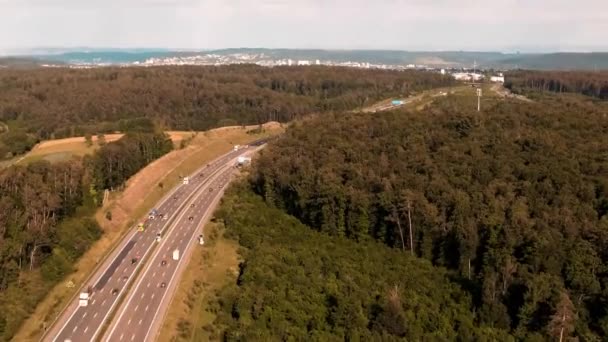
295,284
513,200
56,103
115,162
46,218
594,84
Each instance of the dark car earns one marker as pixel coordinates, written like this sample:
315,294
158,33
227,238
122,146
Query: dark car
190,218
114,292
134,260
163,285
125,278
192,205
163,263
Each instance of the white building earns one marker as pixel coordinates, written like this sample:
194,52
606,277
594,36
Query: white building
318,62
464,76
303,62
443,71
498,79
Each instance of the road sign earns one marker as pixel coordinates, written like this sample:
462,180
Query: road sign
478,91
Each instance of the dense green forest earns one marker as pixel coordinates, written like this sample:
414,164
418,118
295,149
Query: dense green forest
593,84
46,218
296,284
512,200
54,103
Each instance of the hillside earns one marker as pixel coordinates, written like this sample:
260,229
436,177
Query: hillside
297,284
512,200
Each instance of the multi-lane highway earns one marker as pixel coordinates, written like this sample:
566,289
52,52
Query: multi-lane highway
140,318
110,281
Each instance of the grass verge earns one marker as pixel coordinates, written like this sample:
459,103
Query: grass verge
211,267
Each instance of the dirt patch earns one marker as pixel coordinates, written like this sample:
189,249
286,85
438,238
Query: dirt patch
503,92
47,144
142,192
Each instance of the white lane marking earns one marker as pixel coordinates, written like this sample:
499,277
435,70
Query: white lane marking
142,296
140,284
147,307
93,302
136,306
154,274
102,303
95,315
152,297
164,274
121,336
140,321
75,328
85,315
85,329
148,285
132,337
129,322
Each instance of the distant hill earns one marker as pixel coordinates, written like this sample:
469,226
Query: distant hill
24,62
437,59
559,61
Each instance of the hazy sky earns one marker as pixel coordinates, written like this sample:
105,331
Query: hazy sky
505,25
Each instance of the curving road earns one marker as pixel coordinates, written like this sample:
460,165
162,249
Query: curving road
116,274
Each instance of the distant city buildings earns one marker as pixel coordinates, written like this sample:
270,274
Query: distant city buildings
497,79
251,58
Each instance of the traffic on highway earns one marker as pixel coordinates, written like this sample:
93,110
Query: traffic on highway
155,245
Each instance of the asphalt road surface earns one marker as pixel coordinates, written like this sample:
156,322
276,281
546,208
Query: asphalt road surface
140,318
109,281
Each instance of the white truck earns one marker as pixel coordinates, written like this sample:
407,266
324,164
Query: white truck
176,254
84,299
242,160
186,180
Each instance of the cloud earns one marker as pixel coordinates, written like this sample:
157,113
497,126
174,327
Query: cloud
396,24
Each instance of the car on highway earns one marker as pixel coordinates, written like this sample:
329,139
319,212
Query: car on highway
163,284
210,189
157,237
114,292
133,260
163,263
190,218
125,278
192,205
